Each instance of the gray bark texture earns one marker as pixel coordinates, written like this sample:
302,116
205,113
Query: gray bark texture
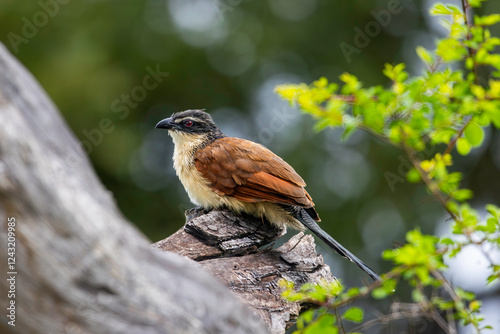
81,267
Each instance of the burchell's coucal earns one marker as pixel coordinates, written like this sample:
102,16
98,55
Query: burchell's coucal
219,171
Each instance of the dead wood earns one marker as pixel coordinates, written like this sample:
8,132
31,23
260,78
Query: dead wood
229,247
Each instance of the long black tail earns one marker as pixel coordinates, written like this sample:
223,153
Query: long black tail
308,222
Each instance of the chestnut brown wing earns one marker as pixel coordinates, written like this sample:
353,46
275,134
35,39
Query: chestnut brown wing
251,173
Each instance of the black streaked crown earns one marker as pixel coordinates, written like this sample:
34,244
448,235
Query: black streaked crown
195,121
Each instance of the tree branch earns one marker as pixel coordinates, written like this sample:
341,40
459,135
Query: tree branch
227,245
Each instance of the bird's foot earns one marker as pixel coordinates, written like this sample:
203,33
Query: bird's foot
196,212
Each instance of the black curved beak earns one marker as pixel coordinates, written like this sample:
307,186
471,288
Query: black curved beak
166,123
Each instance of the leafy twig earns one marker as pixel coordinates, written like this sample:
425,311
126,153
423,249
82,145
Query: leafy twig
466,8
431,185
450,146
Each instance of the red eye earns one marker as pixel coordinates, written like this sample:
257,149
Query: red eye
188,123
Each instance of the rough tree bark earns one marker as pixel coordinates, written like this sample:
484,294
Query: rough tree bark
82,268
228,246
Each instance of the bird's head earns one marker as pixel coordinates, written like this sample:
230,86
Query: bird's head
191,125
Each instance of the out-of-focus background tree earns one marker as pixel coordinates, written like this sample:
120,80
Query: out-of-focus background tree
115,68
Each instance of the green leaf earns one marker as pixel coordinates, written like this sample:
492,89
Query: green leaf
487,20
324,324
354,314
308,315
474,134
491,225
492,278
452,206
348,130
495,117
440,9
417,296
463,146
475,305
425,55
413,175
493,210
379,293
322,124
447,241
352,292
387,288
463,194
423,275
454,251
475,3
451,50
478,91
466,295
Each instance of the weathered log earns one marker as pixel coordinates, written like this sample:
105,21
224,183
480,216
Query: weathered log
228,246
80,267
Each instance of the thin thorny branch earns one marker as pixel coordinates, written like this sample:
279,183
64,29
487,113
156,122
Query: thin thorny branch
466,9
399,311
450,146
449,288
431,311
432,186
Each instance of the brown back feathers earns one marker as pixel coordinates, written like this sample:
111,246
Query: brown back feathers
251,173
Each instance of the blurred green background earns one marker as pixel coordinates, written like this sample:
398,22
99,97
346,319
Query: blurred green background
95,59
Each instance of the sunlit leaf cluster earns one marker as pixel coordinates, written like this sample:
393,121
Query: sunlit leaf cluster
444,109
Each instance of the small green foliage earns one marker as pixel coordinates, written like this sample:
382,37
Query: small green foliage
425,55
310,322
487,20
495,275
447,107
463,146
354,314
417,296
313,293
418,257
387,288
451,50
476,3
413,175
441,9
324,324
465,295
474,134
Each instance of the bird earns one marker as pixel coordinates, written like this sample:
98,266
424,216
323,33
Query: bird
218,171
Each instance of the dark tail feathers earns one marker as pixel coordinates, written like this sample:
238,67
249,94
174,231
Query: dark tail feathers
308,222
